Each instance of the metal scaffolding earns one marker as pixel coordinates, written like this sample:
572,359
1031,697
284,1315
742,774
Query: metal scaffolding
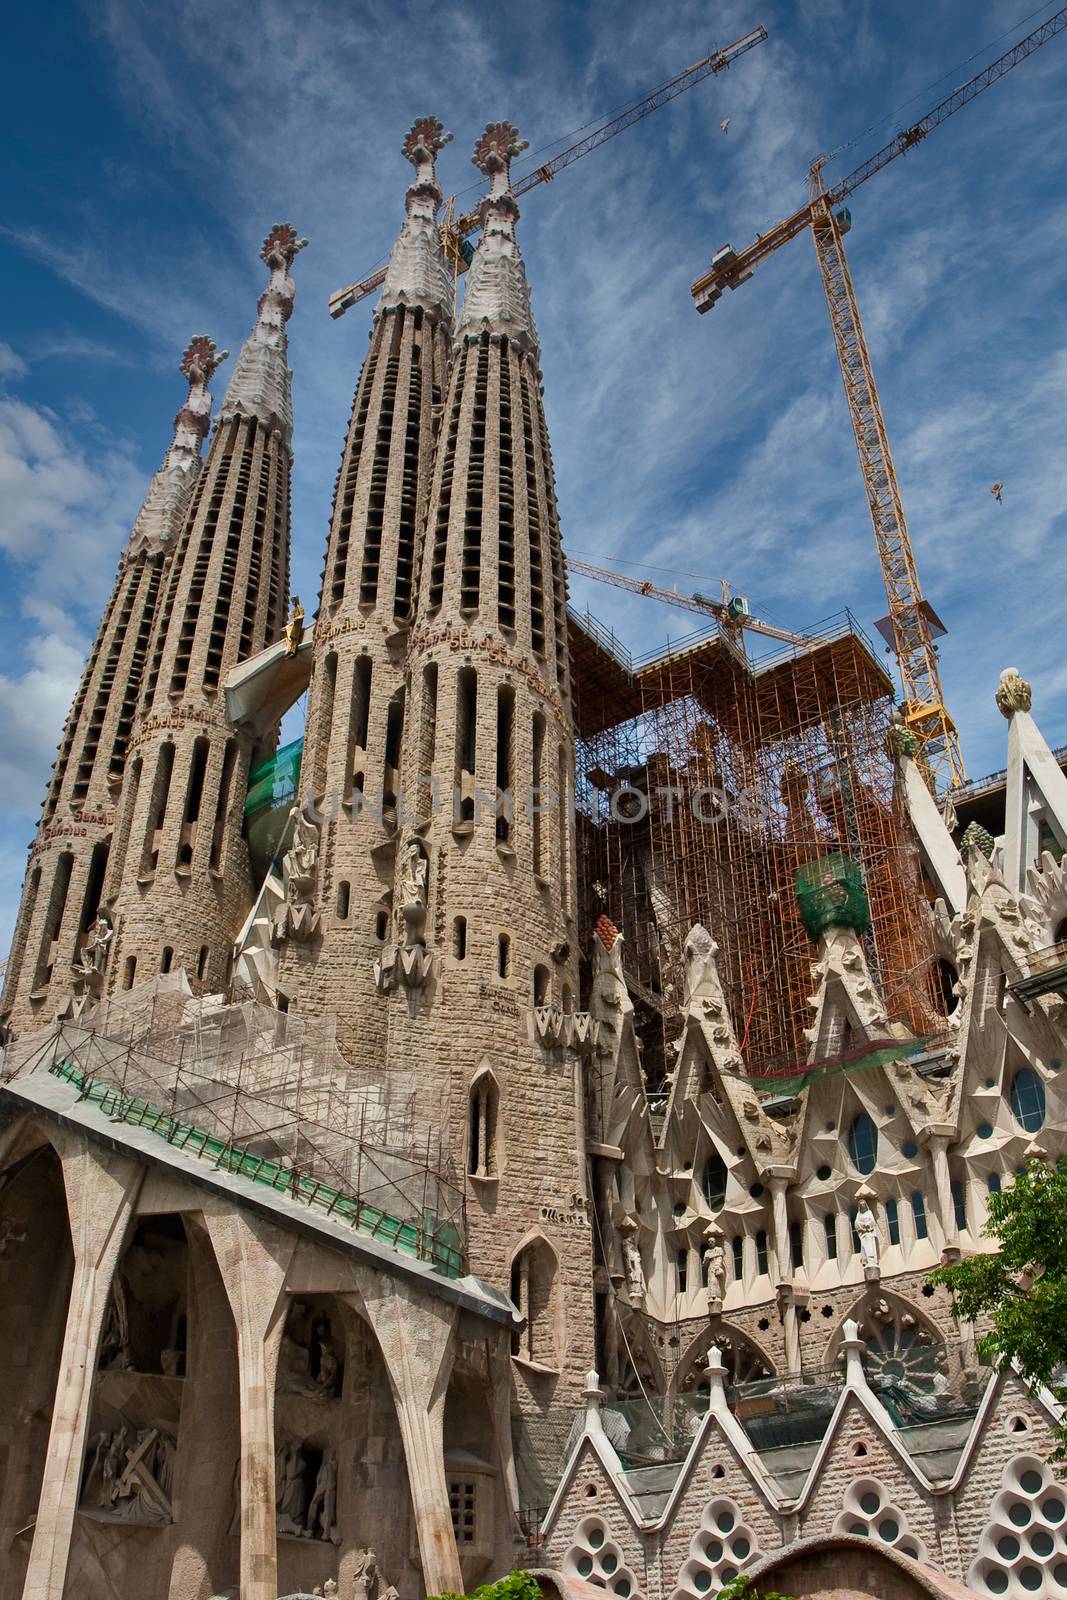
706,783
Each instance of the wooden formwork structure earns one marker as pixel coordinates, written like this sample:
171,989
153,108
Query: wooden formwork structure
706,782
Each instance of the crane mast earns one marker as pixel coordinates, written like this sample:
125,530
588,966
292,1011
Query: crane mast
925,712
910,617
456,229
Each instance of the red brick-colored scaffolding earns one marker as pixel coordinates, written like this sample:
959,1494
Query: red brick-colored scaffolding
705,782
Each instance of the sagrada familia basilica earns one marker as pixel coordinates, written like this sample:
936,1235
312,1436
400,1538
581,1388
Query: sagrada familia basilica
515,1126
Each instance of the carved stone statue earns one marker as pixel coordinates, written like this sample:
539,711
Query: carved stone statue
414,876
631,1255
714,1265
867,1233
1014,693
322,1513
365,1577
115,1340
92,959
298,919
292,1496
294,628
329,1372
701,972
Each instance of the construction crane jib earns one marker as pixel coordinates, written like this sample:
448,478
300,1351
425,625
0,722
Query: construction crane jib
913,624
456,229
731,612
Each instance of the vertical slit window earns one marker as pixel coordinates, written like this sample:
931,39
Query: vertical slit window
892,1221
201,961
394,734
129,972
53,924
681,1268
94,884
505,725
459,938
918,1212
761,1252
157,811
503,956
356,763
166,958
343,894
537,816
466,743
324,722
796,1245
959,1205
229,762
737,1247
829,1223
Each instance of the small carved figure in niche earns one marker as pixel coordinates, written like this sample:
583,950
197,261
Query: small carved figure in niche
329,1372
292,1503
92,960
115,1341
322,1512
114,1463
631,1255
294,628
714,1265
365,1577
414,879
867,1233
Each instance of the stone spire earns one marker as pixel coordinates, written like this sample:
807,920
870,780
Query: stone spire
261,382
160,517
497,296
417,274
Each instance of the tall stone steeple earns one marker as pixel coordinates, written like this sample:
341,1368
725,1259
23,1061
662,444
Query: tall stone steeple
180,882
357,699
69,857
484,935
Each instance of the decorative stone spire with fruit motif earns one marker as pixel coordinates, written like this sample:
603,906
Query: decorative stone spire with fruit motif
497,296
417,274
160,517
261,385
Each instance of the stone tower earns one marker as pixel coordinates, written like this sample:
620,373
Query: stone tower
483,929
69,857
357,695
180,886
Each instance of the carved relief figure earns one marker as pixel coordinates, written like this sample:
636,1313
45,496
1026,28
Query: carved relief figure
867,1232
631,1255
298,918
322,1513
292,1494
92,960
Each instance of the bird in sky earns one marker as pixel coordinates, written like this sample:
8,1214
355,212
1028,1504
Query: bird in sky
996,491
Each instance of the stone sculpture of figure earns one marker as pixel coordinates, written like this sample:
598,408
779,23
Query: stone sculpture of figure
867,1232
413,892
328,1370
322,1512
701,973
292,1501
635,1272
97,947
115,1342
365,1577
298,916
714,1265
113,1468
303,853
294,628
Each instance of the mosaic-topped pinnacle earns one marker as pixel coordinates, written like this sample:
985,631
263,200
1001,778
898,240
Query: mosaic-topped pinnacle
417,274
422,144
494,152
260,386
200,360
281,247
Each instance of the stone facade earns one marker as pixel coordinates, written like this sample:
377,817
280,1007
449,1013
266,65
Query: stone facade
322,1196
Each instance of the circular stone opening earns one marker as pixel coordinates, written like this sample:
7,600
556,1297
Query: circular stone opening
870,1502
1052,1510
609,1562
859,1529
1019,1514
713,1550
1059,1572
1008,1547
622,1586
740,1548
888,1529
1031,1482
1042,1543
996,1581
585,1566
725,1521
596,1537
702,1582
1030,1578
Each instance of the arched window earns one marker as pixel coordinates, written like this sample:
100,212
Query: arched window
918,1212
714,1181
503,955
166,960
892,1221
459,938
344,895
533,1291
1028,1099
541,980
484,1116
863,1143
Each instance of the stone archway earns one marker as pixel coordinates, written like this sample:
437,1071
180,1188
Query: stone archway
743,1357
906,1358
36,1270
839,1567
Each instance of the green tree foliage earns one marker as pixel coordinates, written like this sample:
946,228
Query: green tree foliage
1023,1289
516,1586
744,1588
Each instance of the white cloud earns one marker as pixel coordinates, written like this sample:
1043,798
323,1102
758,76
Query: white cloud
11,363
33,710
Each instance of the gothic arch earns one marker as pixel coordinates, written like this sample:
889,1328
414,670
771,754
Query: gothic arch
637,1344
905,1354
485,1125
535,1292
743,1356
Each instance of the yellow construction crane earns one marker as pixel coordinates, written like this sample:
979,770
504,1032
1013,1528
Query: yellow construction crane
912,625
455,229
731,612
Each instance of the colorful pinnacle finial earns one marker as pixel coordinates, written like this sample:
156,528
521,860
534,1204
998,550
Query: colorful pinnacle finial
281,247
424,141
200,359
497,147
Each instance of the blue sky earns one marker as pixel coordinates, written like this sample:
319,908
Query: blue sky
151,147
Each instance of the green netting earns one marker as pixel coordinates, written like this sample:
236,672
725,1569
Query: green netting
276,780
433,1242
830,894
879,1056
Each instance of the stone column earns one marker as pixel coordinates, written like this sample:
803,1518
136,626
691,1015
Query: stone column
417,1338
253,1256
102,1189
937,1143
787,1308
780,1224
